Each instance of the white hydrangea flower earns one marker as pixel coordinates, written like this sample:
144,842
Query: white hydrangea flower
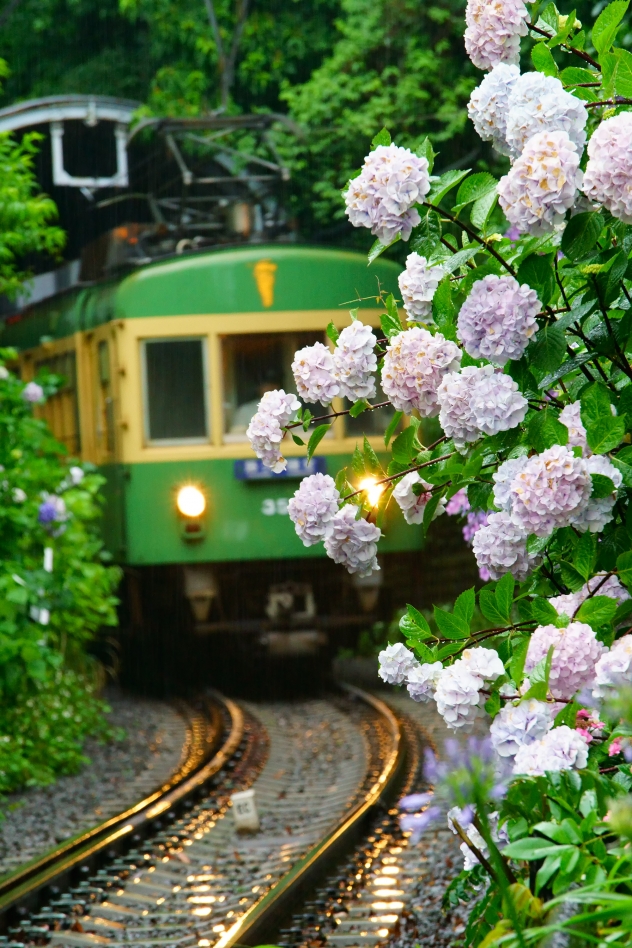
478,401
414,365
19,495
560,749
614,668
488,105
576,651
501,547
504,477
493,32
539,103
355,361
421,680
76,475
33,393
599,511
383,196
550,491
571,417
458,686
353,543
4,372
537,192
313,507
520,724
608,176
396,661
418,284
314,374
265,433
570,603
413,505
497,320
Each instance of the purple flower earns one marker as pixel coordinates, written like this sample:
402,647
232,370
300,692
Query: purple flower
458,503
416,823
33,393
51,510
415,801
475,520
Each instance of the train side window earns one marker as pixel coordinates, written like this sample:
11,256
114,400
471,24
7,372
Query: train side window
61,410
175,387
105,401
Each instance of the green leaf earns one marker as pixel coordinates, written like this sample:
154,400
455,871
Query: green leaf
403,450
545,430
382,138
623,73
333,333
357,462
547,350
317,436
390,321
605,435
504,595
426,151
585,555
358,407
571,577
413,624
392,426
542,611
597,611
482,209
446,650
464,606
542,59
602,486
538,272
624,566
565,369
606,25
451,626
460,258
447,181
595,404
489,607
473,188
430,510
427,234
520,646
573,75
297,440
533,848
581,235
443,309
371,458
307,417
547,870
378,248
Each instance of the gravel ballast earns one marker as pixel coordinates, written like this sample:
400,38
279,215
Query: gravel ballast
119,774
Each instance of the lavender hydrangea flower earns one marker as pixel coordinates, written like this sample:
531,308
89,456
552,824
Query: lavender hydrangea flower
421,680
597,585
539,103
33,393
493,32
576,651
265,433
383,196
478,401
614,668
355,361
313,507
497,320
314,374
414,365
418,284
540,188
551,491
488,105
571,417
599,511
396,662
52,510
501,547
560,749
520,724
504,477
474,520
353,543
458,503
413,506
608,177
458,687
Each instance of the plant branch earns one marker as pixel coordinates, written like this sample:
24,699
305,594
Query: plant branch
394,477
571,49
481,858
616,100
472,233
334,414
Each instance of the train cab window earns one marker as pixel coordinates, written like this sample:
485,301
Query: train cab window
61,410
175,388
105,401
255,363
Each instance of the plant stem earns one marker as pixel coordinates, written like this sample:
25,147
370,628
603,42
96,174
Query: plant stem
393,477
334,414
472,233
571,49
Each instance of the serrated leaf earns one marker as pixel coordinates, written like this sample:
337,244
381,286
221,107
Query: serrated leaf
447,181
333,333
542,59
624,567
427,234
430,510
542,611
392,426
573,75
357,462
426,151
504,595
482,210
597,611
358,407
460,258
519,648
317,436
547,350
383,137
570,576
581,235
378,248
446,650
307,417
371,458
545,430
572,365
537,271
443,309
464,606
403,450
451,626
585,555
607,24
390,322
473,188
536,544
605,435
489,607
602,486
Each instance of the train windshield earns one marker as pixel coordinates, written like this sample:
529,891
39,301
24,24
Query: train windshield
175,391
255,363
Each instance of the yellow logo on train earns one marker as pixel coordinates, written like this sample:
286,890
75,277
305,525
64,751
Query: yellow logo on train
265,275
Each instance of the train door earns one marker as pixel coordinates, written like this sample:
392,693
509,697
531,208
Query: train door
103,367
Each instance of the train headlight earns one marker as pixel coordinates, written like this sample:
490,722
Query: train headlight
373,489
190,501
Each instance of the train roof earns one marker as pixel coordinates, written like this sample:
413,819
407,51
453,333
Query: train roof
260,278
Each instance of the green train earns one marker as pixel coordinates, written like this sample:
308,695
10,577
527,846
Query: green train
163,368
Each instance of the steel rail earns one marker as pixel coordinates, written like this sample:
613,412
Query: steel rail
260,924
23,884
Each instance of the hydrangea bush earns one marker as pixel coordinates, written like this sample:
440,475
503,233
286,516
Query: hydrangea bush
515,330
57,590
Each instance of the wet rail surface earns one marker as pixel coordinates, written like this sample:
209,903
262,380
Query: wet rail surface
328,866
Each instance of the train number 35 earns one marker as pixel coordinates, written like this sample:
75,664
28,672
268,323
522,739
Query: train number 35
270,507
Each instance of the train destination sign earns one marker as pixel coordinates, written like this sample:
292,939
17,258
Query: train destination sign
252,469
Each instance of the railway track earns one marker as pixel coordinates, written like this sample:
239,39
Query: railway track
329,865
